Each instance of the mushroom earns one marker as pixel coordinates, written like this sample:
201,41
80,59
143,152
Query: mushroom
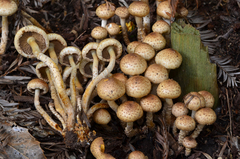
114,48
131,46
139,10
169,89
150,104
185,124
146,19
178,109
209,99
102,117
138,86
30,41
38,87
193,102
99,33
156,40
113,30
111,89
157,3
87,68
164,10
161,27
7,8
129,112
145,50
204,116
156,73
133,64
123,14
189,143
104,12
136,155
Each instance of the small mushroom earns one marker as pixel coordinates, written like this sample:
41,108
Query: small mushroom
129,112
161,27
164,10
156,73
139,10
99,33
189,143
209,99
104,12
113,30
136,155
131,46
145,50
156,40
7,8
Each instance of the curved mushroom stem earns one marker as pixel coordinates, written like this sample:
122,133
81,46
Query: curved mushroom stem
44,114
124,31
181,136
174,130
129,131
169,104
187,151
95,64
149,120
58,82
52,53
51,107
54,96
113,105
197,131
141,32
95,108
93,83
4,34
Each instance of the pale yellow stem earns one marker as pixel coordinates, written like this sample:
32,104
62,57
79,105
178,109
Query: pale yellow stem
4,35
52,53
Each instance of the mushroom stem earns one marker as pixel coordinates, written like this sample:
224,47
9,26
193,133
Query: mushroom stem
124,31
52,53
169,104
113,105
95,64
149,120
103,23
197,131
4,34
174,129
146,19
93,83
73,87
129,131
181,136
51,107
141,33
95,108
38,107
58,82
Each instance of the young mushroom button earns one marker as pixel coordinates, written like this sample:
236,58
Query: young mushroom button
209,99
105,12
164,10
136,155
99,33
189,143
7,8
145,50
156,40
131,46
113,29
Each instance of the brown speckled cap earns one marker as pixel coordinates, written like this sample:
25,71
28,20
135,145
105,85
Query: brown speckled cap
110,88
145,50
99,33
122,12
164,10
161,27
139,9
156,73
185,123
138,86
113,29
194,101
205,116
151,103
129,111
37,84
7,7
169,89
105,12
169,58
133,64
156,40
209,99
96,147
101,116
189,142
179,109
131,47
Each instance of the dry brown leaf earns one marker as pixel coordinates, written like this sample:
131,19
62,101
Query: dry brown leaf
19,143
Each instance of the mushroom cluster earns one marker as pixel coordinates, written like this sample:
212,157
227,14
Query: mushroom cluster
85,87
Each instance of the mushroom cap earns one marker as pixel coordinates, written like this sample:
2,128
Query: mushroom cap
139,9
129,111
70,50
113,29
58,41
87,49
185,123
156,40
209,99
7,7
133,64
205,116
189,142
110,89
194,101
164,10
169,58
41,71
179,109
20,40
131,47
101,116
169,89
120,76
105,156
145,50
37,84
97,147
99,33
104,11
136,155
151,103
102,52
161,27
122,12
156,73
138,86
